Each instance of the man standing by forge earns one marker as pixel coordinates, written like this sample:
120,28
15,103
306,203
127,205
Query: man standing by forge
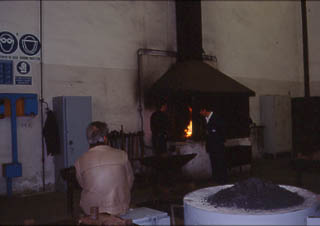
159,123
215,145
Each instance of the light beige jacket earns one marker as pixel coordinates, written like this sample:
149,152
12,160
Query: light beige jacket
106,177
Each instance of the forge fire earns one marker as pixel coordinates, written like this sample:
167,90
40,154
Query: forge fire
188,130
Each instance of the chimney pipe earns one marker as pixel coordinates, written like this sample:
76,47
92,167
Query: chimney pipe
189,30
305,48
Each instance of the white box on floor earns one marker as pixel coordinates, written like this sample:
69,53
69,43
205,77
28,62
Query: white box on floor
313,221
147,216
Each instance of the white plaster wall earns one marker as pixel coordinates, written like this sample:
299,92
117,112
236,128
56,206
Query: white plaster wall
89,48
258,43
19,18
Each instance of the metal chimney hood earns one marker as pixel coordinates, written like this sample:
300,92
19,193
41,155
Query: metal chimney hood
190,74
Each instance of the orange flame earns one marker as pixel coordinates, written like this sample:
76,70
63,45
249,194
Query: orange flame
188,131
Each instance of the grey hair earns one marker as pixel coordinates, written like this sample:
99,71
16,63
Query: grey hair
96,131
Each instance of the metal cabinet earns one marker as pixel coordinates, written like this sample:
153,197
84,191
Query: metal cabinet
73,114
276,117
306,124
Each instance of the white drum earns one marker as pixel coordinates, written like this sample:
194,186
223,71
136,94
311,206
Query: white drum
197,211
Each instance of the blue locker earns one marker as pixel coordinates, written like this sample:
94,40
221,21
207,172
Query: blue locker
73,114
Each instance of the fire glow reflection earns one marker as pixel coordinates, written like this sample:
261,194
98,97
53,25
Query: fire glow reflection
188,131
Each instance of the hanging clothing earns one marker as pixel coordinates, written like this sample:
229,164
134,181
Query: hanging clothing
51,134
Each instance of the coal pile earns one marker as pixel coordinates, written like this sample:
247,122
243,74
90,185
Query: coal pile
255,194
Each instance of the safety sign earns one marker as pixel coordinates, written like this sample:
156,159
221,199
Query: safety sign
8,42
23,80
29,44
23,67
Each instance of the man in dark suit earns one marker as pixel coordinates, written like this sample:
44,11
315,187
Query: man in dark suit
159,123
215,145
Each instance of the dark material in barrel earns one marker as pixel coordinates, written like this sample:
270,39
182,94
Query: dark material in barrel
255,194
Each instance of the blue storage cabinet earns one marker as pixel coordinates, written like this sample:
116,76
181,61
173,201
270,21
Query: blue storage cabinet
73,113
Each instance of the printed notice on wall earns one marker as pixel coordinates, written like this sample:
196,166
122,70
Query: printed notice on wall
6,72
23,80
20,50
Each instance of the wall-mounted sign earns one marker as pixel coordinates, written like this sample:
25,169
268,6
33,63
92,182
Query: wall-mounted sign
18,50
29,44
23,67
23,80
6,72
8,42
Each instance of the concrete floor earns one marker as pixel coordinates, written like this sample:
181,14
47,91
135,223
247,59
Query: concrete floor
50,208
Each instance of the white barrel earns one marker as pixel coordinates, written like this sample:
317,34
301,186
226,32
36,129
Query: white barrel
199,212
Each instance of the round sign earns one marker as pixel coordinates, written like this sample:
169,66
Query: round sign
29,44
8,42
23,67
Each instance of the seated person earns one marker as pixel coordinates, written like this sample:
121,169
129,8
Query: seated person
104,173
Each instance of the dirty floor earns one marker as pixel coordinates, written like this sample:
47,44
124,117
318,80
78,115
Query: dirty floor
50,208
